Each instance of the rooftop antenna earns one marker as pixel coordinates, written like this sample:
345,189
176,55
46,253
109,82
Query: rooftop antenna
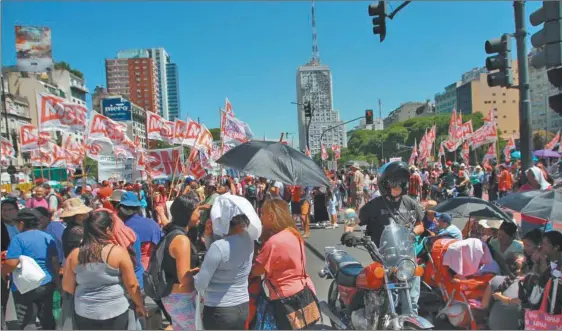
315,60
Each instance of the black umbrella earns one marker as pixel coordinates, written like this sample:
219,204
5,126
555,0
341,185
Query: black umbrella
546,205
275,161
471,206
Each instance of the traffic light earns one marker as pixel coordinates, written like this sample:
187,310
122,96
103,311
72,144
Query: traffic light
555,78
548,40
369,116
379,11
307,109
501,62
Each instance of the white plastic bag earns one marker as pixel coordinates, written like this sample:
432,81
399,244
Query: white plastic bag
28,275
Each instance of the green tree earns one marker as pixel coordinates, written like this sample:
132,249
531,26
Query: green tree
90,167
216,132
65,66
541,138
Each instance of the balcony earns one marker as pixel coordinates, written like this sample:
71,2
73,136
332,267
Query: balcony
78,83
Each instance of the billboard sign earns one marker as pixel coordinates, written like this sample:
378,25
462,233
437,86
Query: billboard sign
117,109
33,49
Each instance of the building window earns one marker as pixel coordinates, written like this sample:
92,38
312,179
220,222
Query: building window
493,94
504,101
504,116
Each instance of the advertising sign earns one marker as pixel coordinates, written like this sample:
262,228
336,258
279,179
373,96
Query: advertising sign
33,49
110,168
117,109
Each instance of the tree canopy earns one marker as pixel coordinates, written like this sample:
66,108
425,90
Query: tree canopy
372,146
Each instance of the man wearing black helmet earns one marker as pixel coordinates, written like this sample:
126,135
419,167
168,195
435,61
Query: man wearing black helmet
394,203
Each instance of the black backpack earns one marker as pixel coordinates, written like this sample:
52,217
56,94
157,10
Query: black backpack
157,284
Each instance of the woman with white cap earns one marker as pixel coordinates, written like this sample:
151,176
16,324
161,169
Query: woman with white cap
223,277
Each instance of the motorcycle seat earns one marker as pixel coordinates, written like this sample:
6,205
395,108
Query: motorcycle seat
347,275
340,260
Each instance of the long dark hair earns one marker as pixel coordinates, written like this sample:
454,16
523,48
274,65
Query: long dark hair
96,237
181,210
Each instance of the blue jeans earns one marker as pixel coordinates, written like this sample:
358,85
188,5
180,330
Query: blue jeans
415,284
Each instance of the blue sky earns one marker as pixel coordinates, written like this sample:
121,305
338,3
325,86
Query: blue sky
250,51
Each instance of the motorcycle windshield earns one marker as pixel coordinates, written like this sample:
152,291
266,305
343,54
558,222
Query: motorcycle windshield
396,245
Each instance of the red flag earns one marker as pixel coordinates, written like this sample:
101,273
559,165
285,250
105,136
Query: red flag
324,154
228,107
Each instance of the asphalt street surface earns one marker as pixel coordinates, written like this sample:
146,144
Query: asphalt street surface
320,238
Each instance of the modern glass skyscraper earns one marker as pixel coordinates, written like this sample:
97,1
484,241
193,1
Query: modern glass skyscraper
169,109
173,91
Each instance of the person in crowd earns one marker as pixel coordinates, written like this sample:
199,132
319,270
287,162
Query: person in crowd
462,181
358,182
160,197
492,183
536,179
305,212
142,198
41,247
54,228
549,257
9,210
320,204
332,210
181,261
252,192
38,199
98,273
477,180
281,258
502,295
296,204
223,278
505,242
211,194
416,183
74,212
430,218
489,229
531,245
446,228
147,230
52,199
505,181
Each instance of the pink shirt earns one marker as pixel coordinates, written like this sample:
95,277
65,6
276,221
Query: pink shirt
282,260
34,203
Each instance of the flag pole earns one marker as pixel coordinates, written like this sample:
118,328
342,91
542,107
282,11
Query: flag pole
222,140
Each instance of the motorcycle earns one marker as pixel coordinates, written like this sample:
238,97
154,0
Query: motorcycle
367,298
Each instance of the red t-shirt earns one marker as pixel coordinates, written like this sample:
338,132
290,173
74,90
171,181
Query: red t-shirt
282,260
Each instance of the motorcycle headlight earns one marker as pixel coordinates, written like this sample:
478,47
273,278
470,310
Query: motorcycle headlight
406,269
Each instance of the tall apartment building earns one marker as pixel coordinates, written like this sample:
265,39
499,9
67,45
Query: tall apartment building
167,78
542,117
136,79
477,96
73,86
173,91
314,85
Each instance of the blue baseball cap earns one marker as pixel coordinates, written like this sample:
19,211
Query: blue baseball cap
130,199
446,218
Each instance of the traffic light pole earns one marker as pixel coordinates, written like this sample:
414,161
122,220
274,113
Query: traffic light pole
337,126
525,132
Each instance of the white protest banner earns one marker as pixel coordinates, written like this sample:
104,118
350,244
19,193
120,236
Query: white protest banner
110,168
192,133
103,128
98,148
162,162
56,113
31,139
72,143
159,128
204,142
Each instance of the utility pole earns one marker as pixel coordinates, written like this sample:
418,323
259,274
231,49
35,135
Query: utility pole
525,132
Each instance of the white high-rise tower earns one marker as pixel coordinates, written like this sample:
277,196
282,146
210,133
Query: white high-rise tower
314,85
